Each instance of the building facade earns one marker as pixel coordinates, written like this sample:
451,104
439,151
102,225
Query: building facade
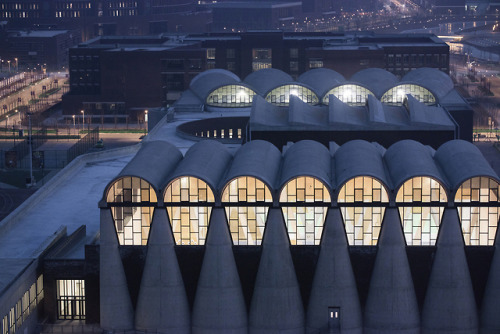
173,61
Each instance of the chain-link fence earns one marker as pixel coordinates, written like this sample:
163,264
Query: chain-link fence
18,156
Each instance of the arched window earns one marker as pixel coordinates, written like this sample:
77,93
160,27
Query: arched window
396,95
231,96
363,219
353,95
280,96
304,201
478,208
132,201
247,202
189,202
421,201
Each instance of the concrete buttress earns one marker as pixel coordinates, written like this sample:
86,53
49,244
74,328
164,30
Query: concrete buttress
162,305
276,306
219,305
116,308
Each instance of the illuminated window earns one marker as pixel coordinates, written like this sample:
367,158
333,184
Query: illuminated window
262,58
351,94
5,325
231,96
132,202
245,201
12,321
70,299
362,222
305,223
477,203
189,202
421,221
396,95
39,289
280,96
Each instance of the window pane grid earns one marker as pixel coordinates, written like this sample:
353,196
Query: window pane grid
71,299
231,96
246,221
190,220
353,95
479,222
421,222
397,95
280,96
305,223
362,223
132,222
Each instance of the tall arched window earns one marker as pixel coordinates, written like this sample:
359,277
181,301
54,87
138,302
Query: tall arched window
231,96
421,201
189,202
362,201
280,96
304,201
478,207
396,95
132,201
353,95
247,202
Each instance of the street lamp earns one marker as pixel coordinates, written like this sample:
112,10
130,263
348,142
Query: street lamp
83,119
74,126
17,66
8,61
146,120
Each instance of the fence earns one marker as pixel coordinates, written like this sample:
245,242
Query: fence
18,156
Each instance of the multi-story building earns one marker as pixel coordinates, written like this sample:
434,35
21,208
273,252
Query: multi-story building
105,17
142,72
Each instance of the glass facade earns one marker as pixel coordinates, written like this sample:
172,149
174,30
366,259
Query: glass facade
362,222
70,299
231,96
421,202
305,222
280,96
353,95
189,202
478,208
396,95
132,201
246,200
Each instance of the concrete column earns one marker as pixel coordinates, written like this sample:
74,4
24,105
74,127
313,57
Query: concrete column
276,306
334,283
391,305
219,305
117,312
449,305
490,313
162,305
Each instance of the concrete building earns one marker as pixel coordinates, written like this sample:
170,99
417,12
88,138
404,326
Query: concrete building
322,105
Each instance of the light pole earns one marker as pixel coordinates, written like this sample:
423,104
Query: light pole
146,120
32,181
74,127
83,119
17,65
8,61
7,121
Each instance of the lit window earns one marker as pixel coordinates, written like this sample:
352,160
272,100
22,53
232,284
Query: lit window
351,94
262,58
244,199
477,203
280,96
231,96
362,222
305,223
211,53
70,299
189,202
421,221
132,201
396,95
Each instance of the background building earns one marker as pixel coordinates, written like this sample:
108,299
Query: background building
173,61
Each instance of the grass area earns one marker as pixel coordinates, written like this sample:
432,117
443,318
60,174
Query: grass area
49,92
118,131
17,178
486,130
